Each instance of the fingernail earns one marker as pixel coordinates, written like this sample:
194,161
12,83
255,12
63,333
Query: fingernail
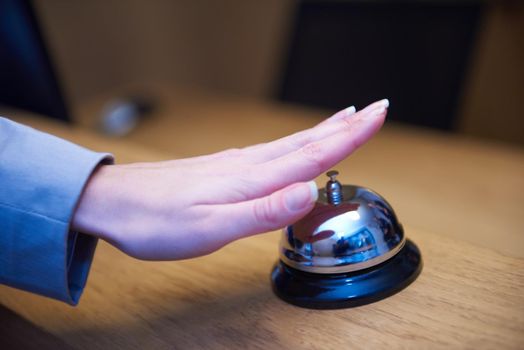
298,197
314,190
384,103
350,110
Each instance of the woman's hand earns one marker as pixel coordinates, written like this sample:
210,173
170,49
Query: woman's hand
189,207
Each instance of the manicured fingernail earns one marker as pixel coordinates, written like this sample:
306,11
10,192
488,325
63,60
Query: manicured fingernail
350,110
314,190
384,103
298,197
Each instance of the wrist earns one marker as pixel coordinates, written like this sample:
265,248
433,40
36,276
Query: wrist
95,209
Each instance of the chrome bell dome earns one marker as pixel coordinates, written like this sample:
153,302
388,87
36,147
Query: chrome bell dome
351,228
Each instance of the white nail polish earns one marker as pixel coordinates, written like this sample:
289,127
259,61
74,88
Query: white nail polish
385,102
350,110
314,190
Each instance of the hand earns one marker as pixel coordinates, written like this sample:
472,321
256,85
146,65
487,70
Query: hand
189,207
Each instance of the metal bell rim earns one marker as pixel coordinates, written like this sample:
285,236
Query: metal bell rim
346,267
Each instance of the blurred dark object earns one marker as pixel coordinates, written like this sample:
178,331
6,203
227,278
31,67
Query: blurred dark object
119,117
27,78
416,53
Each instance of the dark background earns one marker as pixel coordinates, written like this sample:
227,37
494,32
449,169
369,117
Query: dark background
416,54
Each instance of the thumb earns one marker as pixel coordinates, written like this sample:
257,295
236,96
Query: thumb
269,213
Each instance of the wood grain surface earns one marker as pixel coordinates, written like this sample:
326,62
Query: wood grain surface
460,201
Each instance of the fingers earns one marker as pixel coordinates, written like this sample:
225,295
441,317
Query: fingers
267,213
313,159
332,125
303,164
384,103
348,112
267,151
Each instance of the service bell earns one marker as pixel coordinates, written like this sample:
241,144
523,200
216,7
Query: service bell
349,250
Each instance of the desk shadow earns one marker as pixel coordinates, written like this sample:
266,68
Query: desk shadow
18,333
231,322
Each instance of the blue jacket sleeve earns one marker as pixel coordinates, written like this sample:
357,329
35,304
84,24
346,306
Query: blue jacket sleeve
41,180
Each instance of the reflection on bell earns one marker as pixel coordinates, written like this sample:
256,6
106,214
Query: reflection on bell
349,250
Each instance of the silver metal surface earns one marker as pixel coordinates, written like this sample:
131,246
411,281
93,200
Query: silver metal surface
347,231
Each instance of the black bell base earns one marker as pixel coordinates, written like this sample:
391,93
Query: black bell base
343,290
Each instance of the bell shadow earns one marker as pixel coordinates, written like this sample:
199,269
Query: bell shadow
18,333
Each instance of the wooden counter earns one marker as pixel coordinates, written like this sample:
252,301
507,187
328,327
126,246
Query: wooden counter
460,200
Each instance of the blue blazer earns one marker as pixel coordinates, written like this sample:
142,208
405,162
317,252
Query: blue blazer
41,180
